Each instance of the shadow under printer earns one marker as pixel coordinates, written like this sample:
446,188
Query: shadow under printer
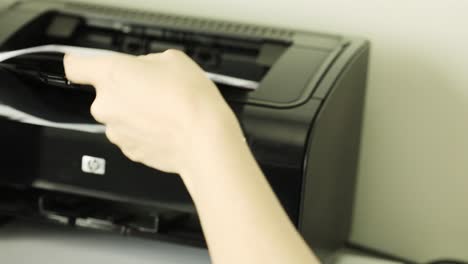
303,123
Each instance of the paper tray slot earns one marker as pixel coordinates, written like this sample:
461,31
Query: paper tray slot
246,59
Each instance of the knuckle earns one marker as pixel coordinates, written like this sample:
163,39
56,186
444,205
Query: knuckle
130,155
110,134
97,112
172,53
94,110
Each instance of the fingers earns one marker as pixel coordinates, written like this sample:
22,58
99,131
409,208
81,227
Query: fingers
110,134
85,69
171,53
124,142
97,112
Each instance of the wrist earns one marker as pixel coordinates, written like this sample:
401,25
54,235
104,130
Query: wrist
217,142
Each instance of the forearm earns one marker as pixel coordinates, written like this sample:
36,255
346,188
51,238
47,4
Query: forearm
196,135
242,219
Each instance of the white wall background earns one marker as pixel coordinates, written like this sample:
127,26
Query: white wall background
412,196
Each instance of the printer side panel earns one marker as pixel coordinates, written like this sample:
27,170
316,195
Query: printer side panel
333,152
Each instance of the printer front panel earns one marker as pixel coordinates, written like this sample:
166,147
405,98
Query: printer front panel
90,162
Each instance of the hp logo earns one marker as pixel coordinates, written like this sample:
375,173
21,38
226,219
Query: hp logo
93,165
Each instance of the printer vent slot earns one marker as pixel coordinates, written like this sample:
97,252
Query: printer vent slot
186,22
123,218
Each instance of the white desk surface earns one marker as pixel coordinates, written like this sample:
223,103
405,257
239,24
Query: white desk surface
25,243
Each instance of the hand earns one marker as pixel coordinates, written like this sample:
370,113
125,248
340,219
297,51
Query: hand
160,109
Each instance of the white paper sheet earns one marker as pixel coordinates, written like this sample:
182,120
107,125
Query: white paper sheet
215,77
19,116
53,48
14,114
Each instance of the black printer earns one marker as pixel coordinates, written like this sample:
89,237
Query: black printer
303,123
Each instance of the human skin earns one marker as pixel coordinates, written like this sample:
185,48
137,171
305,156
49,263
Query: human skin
162,111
